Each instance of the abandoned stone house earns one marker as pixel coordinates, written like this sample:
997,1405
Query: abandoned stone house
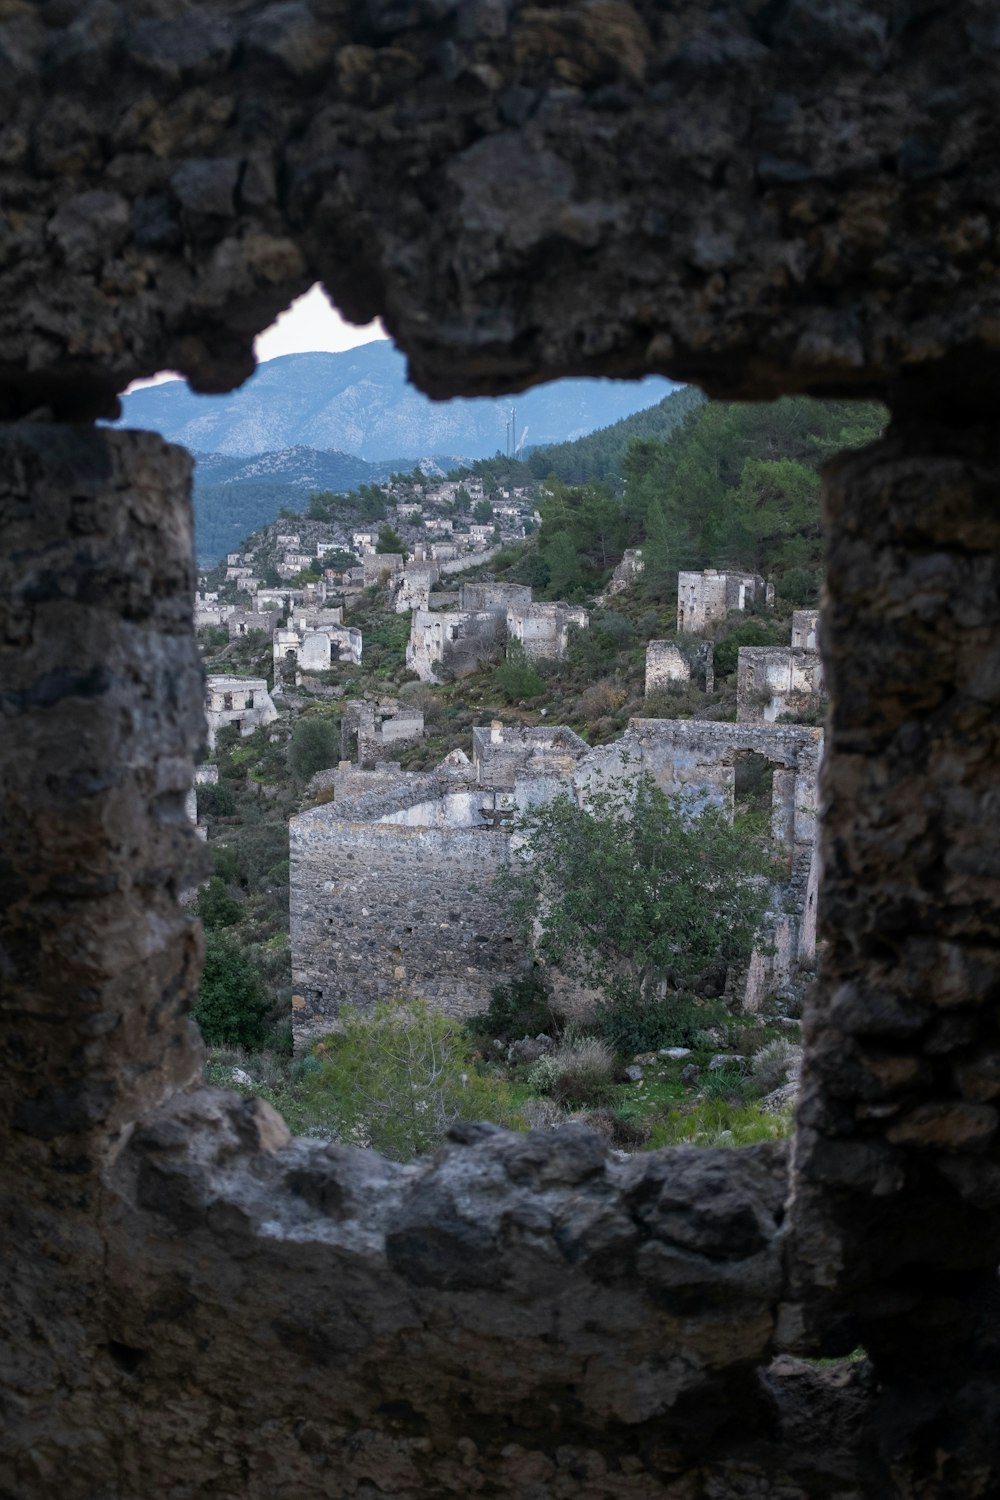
314,640
241,701
503,753
543,629
778,682
369,732
483,594
456,642
412,585
762,200
391,894
805,629
244,621
704,597
671,665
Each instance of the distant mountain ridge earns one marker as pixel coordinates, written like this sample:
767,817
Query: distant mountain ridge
358,403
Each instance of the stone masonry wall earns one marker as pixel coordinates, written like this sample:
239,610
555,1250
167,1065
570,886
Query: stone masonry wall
380,910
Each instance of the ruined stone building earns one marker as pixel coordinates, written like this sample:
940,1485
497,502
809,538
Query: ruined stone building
543,629
704,597
371,732
484,595
805,629
412,586
760,200
668,664
391,895
777,682
455,641
314,640
242,701
394,847
243,621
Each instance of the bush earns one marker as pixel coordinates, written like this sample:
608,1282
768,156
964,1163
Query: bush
517,677
216,907
579,1071
749,632
601,698
216,799
315,746
232,1006
397,1078
521,1008
775,1064
632,1023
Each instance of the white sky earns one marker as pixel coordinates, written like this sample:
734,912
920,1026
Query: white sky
310,323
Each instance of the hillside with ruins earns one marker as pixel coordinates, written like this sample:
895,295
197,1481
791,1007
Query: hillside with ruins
414,690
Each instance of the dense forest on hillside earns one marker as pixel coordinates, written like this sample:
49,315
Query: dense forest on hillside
734,486
600,456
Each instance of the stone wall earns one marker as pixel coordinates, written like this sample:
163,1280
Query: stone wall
805,629
243,701
773,682
242,621
704,597
456,642
501,754
667,664
498,597
396,907
368,730
543,629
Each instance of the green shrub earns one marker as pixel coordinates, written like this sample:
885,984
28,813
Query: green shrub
232,1005
217,800
395,1080
579,1071
216,907
517,677
315,746
632,1023
520,1008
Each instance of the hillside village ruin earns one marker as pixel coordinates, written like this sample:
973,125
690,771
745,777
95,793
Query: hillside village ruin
391,876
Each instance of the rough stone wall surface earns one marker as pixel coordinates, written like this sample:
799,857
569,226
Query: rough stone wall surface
483,595
543,629
387,909
242,621
503,754
899,1124
665,663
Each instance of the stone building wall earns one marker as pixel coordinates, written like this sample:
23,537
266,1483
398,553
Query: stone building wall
805,629
244,701
704,597
369,731
483,595
762,200
457,642
398,905
503,754
773,681
413,586
543,629
667,663
242,621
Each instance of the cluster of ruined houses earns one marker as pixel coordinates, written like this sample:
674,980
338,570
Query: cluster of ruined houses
392,882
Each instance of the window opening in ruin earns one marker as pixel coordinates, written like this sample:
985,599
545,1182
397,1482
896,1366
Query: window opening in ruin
227,700
753,782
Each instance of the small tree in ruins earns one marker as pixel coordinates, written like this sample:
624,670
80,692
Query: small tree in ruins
637,894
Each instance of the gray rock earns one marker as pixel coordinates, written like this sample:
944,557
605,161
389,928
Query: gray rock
690,1074
633,1074
675,1053
726,1060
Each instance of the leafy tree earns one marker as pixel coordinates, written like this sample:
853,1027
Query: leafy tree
315,745
397,1078
216,907
232,1004
482,512
517,677
390,541
637,892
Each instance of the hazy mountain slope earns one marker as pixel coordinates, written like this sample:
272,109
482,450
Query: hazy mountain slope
599,455
358,402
